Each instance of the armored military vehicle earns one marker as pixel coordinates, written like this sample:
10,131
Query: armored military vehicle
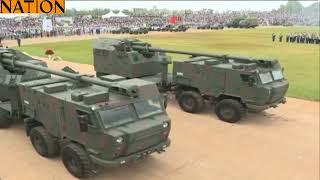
121,30
138,30
93,122
233,84
179,28
167,27
205,26
217,26
248,23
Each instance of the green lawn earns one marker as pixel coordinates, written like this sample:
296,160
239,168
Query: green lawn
301,61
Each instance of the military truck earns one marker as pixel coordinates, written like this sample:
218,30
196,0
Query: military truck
109,121
179,28
217,26
205,26
166,27
121,30
233,84
138,30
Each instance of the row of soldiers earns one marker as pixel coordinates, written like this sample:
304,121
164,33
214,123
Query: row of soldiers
306,38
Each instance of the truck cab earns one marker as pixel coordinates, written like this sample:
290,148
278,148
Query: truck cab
108,125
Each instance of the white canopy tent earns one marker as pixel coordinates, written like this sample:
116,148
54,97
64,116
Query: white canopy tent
112,14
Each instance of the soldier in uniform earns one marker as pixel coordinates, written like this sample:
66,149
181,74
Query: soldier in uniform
301,37
313,38
273,37
280,37
18,38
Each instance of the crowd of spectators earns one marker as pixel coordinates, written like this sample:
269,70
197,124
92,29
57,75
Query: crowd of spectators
30,26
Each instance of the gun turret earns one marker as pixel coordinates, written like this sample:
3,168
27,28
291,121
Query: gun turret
12,64
116,56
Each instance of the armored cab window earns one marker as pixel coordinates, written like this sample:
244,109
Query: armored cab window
116,116
277,75
265,77
148,107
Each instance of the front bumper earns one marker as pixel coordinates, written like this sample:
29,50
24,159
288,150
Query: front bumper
253,107
131,158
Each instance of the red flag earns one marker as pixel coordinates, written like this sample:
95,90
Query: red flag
173,20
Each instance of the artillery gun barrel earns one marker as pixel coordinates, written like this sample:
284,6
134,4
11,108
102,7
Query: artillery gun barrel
141,48
77,77
146,48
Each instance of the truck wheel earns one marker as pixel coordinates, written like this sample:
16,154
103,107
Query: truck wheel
5,120
43,142
229,110
191,101
76,160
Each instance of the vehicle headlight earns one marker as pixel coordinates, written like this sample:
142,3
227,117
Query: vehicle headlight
119,140
165,125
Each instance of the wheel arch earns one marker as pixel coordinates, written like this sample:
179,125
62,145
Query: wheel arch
225,96
31,123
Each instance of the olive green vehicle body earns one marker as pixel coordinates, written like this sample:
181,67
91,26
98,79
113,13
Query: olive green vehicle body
235,78
9,92
217,26
139,30
121,30
179,28
213,77
93,113
111,58
58,104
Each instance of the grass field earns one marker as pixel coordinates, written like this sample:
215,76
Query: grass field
301,61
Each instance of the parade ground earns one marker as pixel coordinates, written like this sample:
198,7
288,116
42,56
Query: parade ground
278,144
300,61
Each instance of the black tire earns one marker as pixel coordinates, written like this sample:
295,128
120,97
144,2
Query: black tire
229,110
5,120
43,142
191,101
76,160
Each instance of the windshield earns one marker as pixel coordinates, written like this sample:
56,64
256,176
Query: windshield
277,75
265,77
116,116
148,108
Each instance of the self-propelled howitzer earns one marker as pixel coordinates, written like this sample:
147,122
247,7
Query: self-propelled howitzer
107,122
234,85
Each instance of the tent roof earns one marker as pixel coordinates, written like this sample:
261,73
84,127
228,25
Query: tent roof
112,14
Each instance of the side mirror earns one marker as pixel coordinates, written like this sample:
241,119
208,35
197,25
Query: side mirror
83,122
